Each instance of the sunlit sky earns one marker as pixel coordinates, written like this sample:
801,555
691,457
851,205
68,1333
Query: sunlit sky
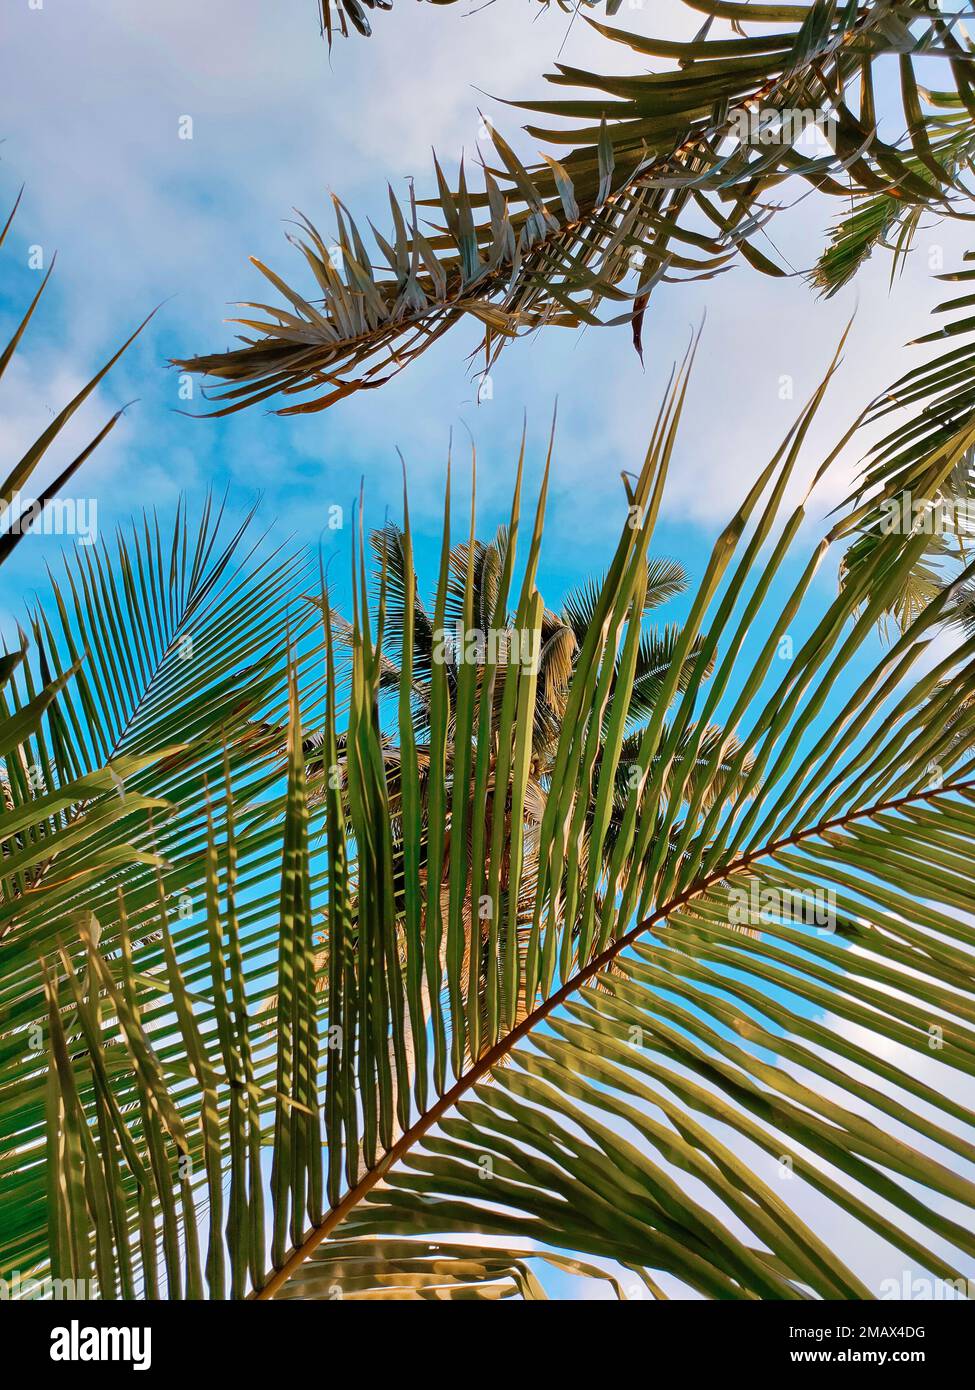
94,95
141,218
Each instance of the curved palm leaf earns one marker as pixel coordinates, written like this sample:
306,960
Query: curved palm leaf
550,244
919,477
22,470
168,657
666,1061
877,218
59,836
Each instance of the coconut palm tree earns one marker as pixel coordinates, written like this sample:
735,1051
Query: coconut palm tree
651,1070
490,647
659,1030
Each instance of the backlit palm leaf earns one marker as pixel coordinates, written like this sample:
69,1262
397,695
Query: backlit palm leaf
889,220
635,201
748,1025
168,656
919,477
66,823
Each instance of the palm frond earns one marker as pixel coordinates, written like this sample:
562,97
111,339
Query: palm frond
919,477
639,1062
887,219
555,242
168,658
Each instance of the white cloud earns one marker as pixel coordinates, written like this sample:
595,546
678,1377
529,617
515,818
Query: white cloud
142,216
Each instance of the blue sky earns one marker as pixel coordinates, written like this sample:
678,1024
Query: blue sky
141,218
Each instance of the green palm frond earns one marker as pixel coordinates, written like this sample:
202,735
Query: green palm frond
60,835
168,654
694,1055
666,580
658,651
887,219
919,477
652,155
17,473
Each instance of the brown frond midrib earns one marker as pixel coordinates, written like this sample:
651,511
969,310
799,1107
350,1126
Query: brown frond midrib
439,314
426,1121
